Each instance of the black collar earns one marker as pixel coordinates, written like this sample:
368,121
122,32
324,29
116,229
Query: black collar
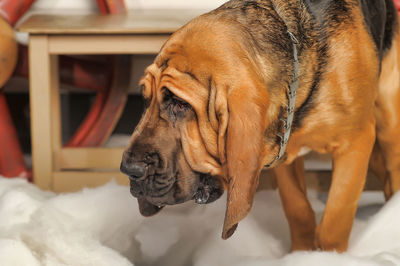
288,121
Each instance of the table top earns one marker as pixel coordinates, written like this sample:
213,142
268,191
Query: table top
137,22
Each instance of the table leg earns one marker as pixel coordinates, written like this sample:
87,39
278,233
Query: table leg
45,110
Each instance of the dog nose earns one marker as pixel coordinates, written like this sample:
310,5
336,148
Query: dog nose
134,169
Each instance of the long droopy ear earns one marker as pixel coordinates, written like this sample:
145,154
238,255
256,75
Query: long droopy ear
244,149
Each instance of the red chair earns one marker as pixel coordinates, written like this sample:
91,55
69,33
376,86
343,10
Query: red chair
12,162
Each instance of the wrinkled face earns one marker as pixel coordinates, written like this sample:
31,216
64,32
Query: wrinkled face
161,158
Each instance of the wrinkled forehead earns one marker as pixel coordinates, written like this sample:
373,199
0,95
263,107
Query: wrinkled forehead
180,83
148,83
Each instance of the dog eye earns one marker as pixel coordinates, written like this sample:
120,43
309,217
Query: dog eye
175,105
179,106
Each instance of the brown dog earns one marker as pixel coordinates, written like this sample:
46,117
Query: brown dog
221,104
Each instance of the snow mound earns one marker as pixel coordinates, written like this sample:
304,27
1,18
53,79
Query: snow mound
102,226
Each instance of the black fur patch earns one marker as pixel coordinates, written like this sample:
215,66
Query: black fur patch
391,25
380,19
334,11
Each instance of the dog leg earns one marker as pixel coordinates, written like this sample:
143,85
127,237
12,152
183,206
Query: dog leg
391,155
301,217
387,114
350,166
378,168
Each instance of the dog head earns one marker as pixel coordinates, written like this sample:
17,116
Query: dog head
203,129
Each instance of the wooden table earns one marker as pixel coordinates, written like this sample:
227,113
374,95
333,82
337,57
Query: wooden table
69,169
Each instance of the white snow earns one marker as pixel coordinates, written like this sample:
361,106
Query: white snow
103,226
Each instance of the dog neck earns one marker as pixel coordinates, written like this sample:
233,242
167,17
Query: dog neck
290,108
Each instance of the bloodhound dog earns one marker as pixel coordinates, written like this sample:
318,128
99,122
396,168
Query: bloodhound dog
256,83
